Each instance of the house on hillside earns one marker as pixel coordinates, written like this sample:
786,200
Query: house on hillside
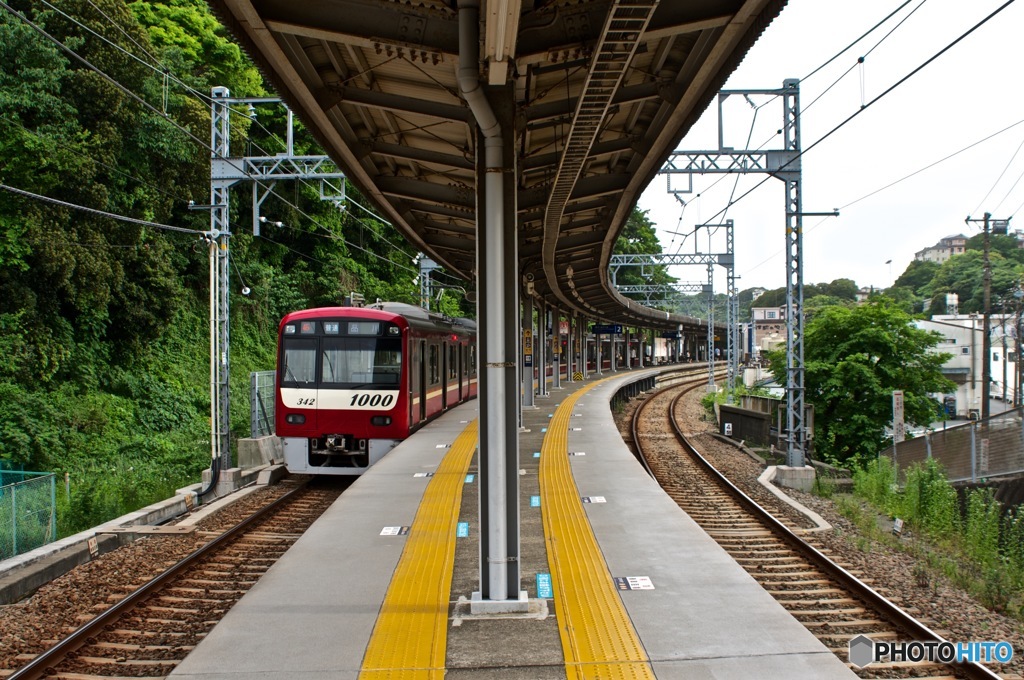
944,249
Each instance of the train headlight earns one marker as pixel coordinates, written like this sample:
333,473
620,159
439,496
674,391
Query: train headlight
295,419
380,420
394,330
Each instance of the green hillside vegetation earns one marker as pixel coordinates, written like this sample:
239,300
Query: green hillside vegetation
104,327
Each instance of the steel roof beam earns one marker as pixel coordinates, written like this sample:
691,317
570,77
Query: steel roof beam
365,23
417,189
401,151
332,96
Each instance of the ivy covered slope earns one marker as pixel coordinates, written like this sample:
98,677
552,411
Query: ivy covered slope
104,330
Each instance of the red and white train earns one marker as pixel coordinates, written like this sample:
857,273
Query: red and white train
352,382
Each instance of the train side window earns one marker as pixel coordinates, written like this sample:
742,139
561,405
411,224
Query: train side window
298,361
433,365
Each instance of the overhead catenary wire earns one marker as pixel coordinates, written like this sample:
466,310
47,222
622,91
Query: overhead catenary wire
851,45
898,181
159,68
205,145
102,213
863,108
998,179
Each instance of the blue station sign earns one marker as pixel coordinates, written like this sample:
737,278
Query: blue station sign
606,329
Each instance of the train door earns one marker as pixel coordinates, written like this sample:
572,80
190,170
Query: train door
462,368
444,376
423,380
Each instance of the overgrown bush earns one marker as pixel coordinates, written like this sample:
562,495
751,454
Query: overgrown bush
929,501
978,547
876,483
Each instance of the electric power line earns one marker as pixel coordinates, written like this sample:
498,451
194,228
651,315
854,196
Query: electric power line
102,213
170,120
902,179
866,34
873,101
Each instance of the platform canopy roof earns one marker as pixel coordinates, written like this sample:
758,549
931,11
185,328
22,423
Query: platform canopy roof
603,92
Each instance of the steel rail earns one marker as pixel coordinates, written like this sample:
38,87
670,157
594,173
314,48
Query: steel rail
883,606
43,664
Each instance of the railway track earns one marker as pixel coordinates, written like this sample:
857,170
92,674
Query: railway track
830,601
146,634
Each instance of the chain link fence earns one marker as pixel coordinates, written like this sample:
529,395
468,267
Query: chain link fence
969,452
261,403
28,511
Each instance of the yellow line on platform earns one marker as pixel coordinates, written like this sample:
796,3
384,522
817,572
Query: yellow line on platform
598,638
410,638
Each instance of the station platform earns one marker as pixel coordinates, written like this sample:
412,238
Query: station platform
623,584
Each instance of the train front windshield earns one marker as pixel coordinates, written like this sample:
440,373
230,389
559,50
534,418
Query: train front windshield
338,361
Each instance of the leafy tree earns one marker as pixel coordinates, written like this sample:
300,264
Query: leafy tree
638,237
1004,244
817,303
841,289
964,275
854,357
917,275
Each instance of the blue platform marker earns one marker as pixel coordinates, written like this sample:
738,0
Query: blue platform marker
462,530
543,429
534,501
544,586
550,415
469,479
536,454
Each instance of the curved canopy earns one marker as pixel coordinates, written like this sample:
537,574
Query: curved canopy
603,92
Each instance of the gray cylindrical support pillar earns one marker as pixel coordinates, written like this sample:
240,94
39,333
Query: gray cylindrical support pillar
597,354
613,352
528,350
570,355
542,349
556,342
498,307
585,350
640,345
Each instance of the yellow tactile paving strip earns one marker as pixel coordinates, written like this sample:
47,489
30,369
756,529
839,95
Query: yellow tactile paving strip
410,637
598,639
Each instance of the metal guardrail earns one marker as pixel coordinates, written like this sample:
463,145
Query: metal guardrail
261,403
970,452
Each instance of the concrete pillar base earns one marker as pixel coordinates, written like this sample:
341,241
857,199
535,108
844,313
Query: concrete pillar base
800,478
478,605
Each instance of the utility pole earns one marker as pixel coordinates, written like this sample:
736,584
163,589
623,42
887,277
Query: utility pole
997,227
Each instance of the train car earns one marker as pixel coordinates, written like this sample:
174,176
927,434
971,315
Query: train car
352,382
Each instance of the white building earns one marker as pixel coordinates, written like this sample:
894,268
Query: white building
944,249
769,327
963,338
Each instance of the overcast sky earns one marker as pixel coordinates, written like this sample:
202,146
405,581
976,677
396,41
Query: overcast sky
971,92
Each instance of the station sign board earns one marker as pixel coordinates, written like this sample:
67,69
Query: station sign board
606,329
